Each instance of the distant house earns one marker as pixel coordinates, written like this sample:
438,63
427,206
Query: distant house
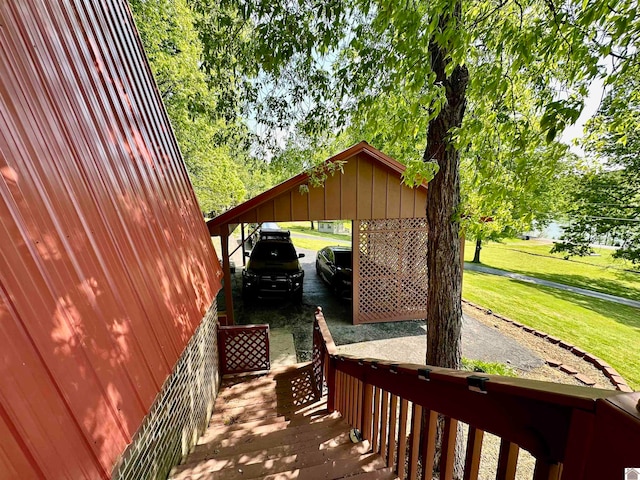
332,227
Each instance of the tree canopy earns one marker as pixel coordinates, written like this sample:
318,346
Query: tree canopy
605,203
211,141
441,85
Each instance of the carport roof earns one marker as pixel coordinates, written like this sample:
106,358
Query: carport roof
370,187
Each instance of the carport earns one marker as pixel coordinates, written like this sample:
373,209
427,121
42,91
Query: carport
389,230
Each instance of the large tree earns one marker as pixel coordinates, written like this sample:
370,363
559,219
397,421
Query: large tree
437,60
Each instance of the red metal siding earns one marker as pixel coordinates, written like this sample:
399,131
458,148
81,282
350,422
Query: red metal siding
106,267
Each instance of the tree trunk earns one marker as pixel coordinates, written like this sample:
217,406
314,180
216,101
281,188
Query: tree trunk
476,255
444,306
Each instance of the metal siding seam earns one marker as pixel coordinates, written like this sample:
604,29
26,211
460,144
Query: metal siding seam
51,288
138,241
185,284
90,255
180,165
87,258
116,238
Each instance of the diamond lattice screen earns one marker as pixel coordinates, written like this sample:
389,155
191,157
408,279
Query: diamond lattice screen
392,269
243,349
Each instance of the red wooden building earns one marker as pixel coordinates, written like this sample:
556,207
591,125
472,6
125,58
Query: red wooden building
106,267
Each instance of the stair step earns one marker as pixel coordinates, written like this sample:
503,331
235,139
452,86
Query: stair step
231,470
268,426
386,473
231,416
246,426
333,469
279,437
242,430
260,456
260,427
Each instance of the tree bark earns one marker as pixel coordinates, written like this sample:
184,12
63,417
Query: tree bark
444,308
444,305
476,254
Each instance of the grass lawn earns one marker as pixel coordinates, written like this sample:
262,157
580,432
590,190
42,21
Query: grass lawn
305,227
606,329
312,243
322,239
601,273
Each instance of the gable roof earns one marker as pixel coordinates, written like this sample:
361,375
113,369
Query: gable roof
369,187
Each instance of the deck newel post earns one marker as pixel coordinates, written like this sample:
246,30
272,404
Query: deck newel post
226,268
331,382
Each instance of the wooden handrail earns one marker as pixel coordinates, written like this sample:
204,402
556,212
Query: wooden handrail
566,428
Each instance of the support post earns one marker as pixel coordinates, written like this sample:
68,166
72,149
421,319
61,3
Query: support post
355,268
242,239
226,268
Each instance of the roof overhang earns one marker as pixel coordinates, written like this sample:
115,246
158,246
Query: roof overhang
369,187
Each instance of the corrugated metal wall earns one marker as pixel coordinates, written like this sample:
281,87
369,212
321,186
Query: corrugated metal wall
106,267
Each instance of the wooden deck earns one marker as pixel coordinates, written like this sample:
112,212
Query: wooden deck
270,427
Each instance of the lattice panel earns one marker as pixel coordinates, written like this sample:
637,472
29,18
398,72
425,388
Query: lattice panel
244,348
303,389
392,270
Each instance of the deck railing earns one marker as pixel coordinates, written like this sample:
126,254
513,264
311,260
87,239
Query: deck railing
572,432
243,348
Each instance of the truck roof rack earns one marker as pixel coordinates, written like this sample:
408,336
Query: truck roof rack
275,234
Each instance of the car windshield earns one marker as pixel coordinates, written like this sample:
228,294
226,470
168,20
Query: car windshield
274,252
343,259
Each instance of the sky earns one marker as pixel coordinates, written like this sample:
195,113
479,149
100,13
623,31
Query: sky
591,105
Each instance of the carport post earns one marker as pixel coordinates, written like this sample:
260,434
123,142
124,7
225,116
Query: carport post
242,239
226,268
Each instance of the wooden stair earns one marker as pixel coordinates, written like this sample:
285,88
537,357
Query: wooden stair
270,427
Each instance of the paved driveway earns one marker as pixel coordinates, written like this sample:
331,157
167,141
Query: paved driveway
398,341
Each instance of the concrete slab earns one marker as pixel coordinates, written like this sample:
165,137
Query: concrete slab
282,348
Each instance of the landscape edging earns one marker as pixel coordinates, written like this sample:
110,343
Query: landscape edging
607,370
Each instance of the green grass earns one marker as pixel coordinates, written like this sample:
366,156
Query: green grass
492,368
312,243
606,329
320,240
601,273
305,227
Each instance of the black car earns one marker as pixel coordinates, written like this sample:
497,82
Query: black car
333,264
273,269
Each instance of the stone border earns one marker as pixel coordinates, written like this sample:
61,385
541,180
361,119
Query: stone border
607,370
